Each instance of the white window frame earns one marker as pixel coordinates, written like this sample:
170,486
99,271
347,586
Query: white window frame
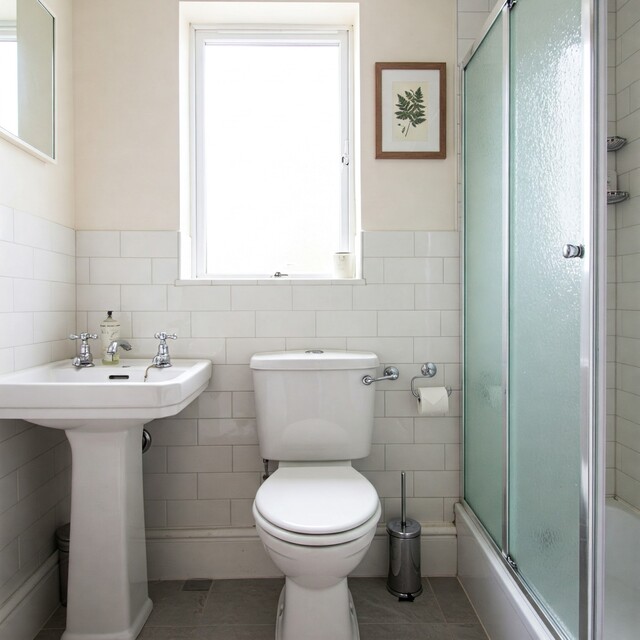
277,35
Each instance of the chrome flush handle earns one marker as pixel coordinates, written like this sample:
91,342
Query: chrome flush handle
390,373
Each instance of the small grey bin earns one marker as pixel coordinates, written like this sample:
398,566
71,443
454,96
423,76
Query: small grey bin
62,542
404,579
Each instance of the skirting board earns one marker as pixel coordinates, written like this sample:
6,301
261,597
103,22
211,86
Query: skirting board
31,605
225,553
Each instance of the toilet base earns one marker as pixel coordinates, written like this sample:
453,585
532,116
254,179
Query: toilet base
316,614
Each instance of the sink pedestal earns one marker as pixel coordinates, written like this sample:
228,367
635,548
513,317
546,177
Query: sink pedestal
102,409
107,597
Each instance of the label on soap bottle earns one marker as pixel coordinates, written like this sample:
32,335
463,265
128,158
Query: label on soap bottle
109,331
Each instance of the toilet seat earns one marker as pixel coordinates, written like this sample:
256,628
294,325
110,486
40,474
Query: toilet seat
304,502
320,540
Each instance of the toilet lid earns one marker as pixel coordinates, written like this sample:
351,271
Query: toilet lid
317,500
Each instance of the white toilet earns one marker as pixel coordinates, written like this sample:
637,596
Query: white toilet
316,515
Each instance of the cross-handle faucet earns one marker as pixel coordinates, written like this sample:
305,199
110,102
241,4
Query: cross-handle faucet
113,346
85,357
162,358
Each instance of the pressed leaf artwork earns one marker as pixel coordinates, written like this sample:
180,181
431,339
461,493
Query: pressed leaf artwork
411,110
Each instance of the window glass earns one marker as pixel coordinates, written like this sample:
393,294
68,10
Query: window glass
272,171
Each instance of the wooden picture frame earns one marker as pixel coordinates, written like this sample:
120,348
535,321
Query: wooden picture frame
411,110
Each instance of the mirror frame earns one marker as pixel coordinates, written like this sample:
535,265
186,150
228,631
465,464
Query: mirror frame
19,142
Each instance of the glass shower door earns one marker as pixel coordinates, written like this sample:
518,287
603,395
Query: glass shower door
548,162
483,266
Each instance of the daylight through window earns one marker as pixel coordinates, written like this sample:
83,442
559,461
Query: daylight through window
272,152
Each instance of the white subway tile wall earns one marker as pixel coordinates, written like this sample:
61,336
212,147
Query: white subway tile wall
206,467
37,313
626,227
472,15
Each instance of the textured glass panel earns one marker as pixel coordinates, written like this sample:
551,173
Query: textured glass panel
544,417
483,282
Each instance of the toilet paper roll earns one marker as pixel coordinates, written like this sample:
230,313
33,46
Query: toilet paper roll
433,401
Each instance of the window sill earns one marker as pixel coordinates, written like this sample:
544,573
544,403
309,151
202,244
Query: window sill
193,282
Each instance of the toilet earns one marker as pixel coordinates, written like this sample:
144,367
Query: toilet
316,515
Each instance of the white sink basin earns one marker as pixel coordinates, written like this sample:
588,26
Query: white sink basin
102,410
61,396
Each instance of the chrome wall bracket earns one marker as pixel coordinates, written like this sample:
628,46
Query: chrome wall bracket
428,370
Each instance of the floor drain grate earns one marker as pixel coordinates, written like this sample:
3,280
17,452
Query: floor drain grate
197,585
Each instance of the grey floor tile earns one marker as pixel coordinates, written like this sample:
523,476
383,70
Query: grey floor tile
249,602
58,619
173,607
246,609
255,632
453,600
164,588
215,632
49,634
467,632
197,584
432,631
374,604
182,633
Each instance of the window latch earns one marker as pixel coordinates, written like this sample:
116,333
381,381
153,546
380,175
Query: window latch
277,274
345,154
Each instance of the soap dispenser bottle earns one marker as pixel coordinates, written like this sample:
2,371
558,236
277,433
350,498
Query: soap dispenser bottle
109,331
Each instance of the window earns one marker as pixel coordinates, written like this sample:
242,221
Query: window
273,174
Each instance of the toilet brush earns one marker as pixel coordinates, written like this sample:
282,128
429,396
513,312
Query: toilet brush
404,579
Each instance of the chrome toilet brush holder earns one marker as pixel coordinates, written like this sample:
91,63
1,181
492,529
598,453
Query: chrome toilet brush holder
404,580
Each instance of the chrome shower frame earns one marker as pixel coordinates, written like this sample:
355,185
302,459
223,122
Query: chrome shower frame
593,319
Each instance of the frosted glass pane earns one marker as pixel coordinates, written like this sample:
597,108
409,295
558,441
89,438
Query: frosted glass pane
483,283
545,301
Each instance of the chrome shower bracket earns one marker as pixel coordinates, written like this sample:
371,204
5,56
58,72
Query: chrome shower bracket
390,373
428,370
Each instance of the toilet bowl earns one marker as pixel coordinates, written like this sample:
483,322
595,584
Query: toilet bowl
316,524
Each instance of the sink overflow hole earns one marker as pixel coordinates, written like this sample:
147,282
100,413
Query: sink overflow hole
119,377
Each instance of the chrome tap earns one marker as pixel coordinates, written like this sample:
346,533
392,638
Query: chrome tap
85,357
113,346
162,358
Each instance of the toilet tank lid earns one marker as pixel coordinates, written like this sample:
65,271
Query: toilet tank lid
313,359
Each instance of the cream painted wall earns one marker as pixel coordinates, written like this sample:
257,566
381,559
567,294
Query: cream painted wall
28,184
126,83
406,194
127,147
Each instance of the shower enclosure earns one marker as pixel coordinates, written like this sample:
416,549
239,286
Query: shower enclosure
534,132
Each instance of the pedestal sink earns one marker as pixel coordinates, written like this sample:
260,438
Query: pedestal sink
102,410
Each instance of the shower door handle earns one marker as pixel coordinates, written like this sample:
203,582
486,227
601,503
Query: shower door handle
573,251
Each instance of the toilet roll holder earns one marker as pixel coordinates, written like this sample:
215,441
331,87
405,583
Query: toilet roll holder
428,370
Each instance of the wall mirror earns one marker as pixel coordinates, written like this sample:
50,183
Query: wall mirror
27,99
